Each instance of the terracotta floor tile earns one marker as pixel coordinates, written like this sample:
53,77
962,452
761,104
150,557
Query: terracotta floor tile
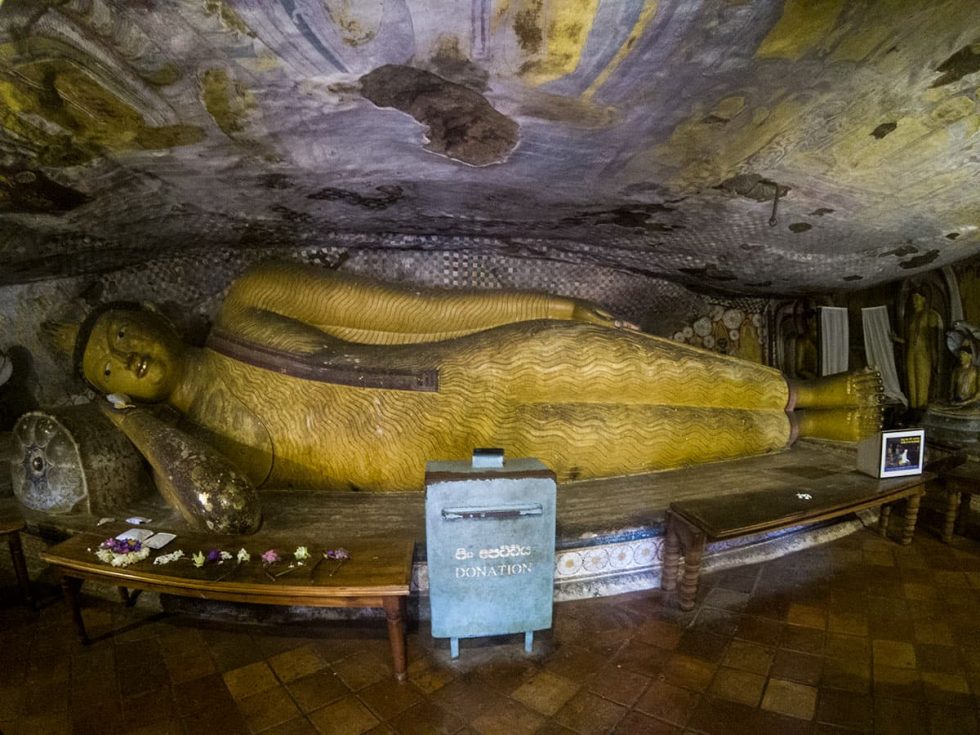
896,683
347,716
807,616
893,653
425,718
296,726
802,639
511,718
706,646
637,723
249,680
936,632
208,692
221,720
546,692
737,686
589,714
900,717
758,630
848,623
668,702
296,663
389,697
749,657
790,698
361,671
722,717
467,698
185,667
689,672
951,689
644,659
267,709
618,684
317,690
944,720
659,633
802,668
845,709
852,675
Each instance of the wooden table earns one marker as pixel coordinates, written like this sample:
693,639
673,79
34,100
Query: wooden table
960,484
692,523
377,575
11,524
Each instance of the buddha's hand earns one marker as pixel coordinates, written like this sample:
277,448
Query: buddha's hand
592,314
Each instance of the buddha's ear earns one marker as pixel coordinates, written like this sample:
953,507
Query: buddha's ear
61,335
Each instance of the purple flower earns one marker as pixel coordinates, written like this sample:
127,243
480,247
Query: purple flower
214,555
337,553
271,556
121,546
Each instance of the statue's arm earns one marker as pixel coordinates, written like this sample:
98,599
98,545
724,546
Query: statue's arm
361,310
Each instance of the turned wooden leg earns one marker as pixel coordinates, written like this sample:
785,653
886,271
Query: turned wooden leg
911,513
20,567
395,615
963,513
952,506
693,556
70,586
671,555
883,516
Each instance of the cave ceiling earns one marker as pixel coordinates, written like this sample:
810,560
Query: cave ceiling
764,147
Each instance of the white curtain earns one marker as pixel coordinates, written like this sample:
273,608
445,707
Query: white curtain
833,340
879,350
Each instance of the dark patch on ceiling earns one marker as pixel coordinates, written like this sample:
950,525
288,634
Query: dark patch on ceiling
760,284
884,129
389,195
952,235
33,192
798,227
276,181
920,260
291,215
461,123
710,272
900,252
963,62
853,278
821,211
753,186
635,217
715,120
750,248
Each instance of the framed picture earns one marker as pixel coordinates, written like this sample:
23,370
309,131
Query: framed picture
893,453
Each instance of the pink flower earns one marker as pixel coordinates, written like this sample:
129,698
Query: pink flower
271,556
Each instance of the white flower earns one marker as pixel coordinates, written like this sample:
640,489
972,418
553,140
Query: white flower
198,559
225,556
301,553
243,556
167,558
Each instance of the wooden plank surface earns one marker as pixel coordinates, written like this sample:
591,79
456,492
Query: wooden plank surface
790,502
377,567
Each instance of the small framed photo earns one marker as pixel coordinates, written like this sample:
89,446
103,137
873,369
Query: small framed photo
893,453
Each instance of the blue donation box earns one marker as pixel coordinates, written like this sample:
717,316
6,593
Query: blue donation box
490,540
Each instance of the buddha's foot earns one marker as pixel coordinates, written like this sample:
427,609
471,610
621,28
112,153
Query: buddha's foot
846,390
840,424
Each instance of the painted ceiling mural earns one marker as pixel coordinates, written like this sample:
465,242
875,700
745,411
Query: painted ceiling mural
764,147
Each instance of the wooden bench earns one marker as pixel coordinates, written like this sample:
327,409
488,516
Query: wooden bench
693,523
377,575
11,524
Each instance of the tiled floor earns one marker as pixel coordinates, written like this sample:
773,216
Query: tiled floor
857,635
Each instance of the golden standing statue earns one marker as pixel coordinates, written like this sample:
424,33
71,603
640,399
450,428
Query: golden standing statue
925,328
319,379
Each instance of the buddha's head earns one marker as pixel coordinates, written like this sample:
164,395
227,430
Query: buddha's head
126,349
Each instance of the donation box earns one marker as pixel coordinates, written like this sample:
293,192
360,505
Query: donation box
490,532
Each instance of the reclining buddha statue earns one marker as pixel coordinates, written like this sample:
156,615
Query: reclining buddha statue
315,378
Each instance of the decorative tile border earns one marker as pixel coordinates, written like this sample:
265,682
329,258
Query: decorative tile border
600,568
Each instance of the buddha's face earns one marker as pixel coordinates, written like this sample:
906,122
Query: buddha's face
133,352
